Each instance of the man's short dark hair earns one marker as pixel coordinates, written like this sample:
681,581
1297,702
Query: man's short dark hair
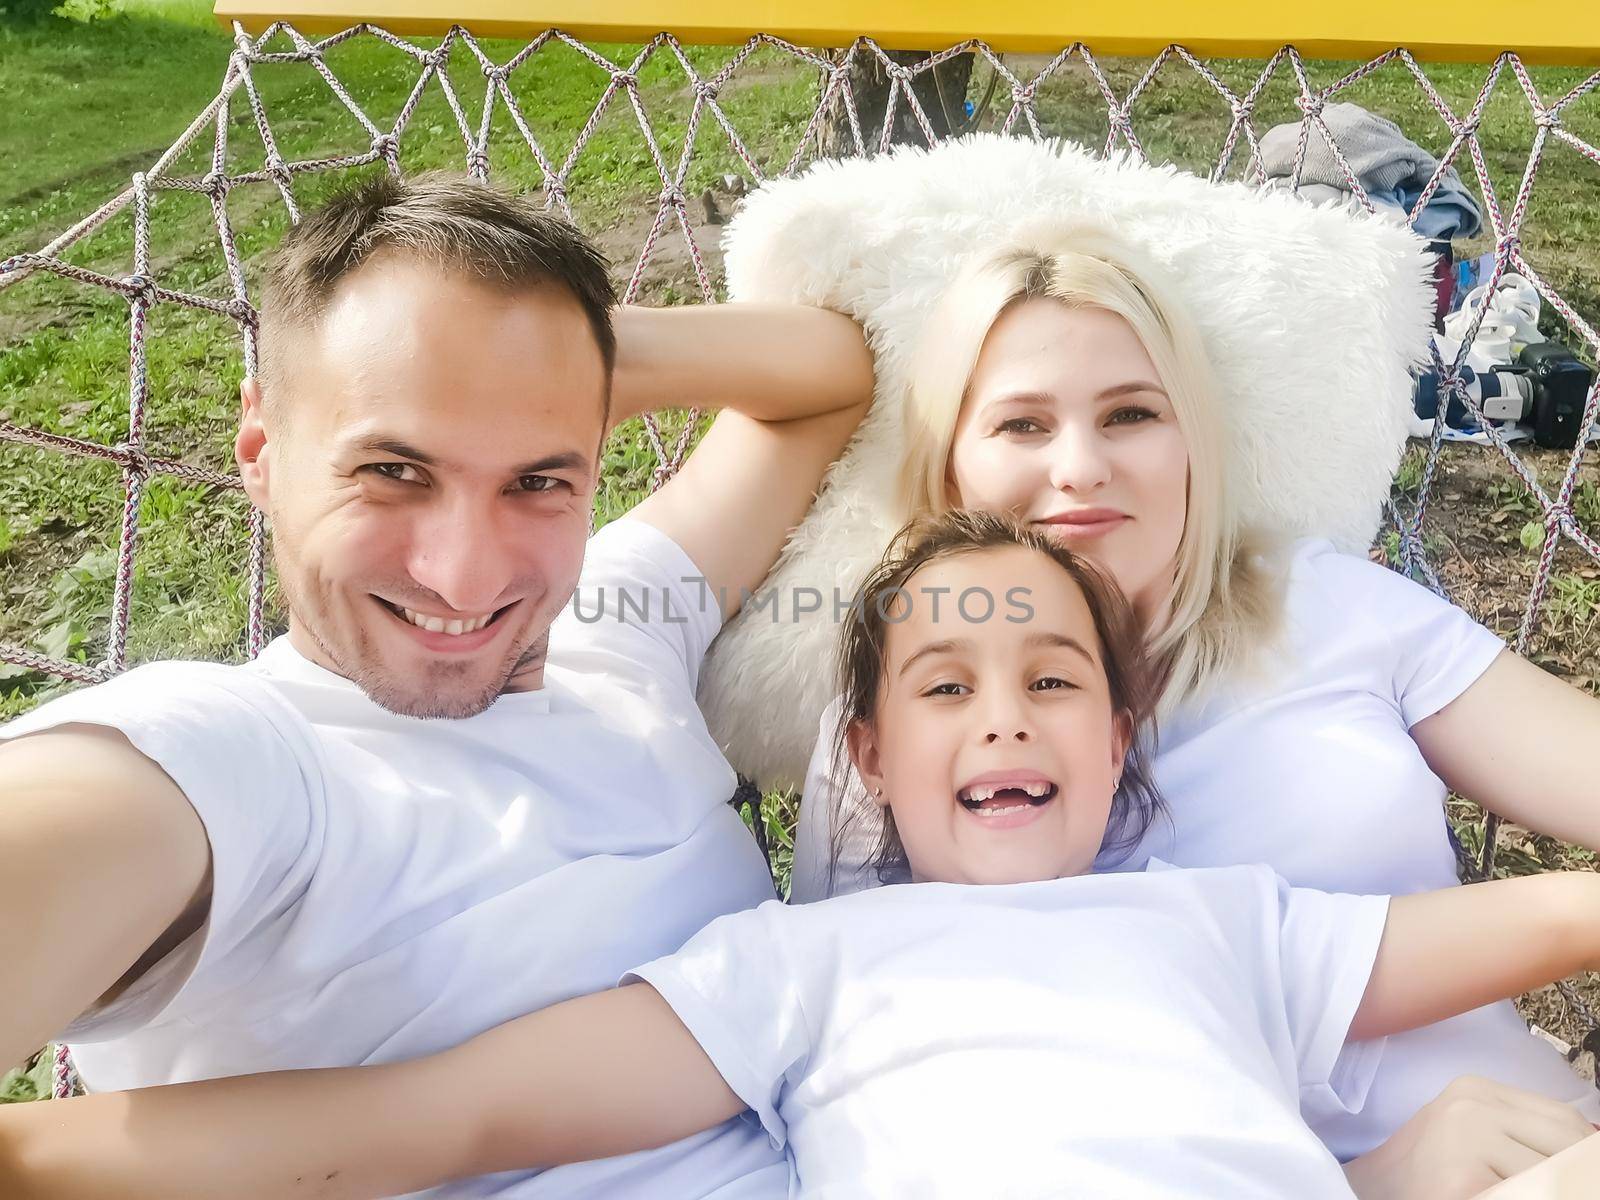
463,225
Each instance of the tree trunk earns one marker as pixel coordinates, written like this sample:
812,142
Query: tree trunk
943,100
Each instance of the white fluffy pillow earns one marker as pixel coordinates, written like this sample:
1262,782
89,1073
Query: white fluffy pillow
1311,317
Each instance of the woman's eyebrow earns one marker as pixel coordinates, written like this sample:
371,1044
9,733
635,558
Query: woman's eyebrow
1132,387
1020,398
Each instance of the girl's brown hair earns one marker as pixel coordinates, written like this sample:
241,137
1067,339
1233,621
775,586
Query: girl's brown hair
1130,678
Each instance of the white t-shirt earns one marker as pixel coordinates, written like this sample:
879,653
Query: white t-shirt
1311,769
387,887
1159,1034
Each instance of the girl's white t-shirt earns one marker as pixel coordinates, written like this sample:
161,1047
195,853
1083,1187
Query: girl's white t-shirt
1309,767
1156,1034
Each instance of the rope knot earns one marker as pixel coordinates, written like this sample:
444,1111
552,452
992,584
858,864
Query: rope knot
141,288
438,58
494,73
132,458
277,168
1547,118
386,145
1022,94
556,190
706,90
478,163
215,184
625,79
898,73
673,195
1310,105
243,312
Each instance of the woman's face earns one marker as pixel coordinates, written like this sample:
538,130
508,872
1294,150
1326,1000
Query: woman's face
993,739
1066,426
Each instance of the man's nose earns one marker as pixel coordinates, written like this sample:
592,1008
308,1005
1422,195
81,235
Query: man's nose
1078,460
459,553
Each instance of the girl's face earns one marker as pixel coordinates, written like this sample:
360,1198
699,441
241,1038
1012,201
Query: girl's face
993,741
1066,426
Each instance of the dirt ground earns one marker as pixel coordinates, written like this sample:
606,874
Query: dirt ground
1472,536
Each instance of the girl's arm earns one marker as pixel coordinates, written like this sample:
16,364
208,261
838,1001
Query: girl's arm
1454,950
592,1077
1521,743
771,362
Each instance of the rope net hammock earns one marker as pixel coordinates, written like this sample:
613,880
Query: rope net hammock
213,164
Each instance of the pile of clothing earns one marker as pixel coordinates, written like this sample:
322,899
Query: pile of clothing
1391,169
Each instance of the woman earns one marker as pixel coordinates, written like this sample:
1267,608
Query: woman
1316,706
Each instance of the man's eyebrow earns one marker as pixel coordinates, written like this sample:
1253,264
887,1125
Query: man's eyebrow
566,460
397,448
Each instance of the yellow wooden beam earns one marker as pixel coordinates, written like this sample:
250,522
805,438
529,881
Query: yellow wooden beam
1551,31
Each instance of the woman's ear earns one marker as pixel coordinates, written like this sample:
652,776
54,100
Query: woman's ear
861,739
952,493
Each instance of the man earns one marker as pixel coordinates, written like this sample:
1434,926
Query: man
442,800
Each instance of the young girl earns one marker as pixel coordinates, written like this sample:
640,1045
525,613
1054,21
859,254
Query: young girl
1005,1023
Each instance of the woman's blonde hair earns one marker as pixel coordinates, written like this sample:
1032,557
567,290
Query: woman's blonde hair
1226,594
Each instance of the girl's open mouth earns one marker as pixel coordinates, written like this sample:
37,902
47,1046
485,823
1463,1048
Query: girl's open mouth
988,800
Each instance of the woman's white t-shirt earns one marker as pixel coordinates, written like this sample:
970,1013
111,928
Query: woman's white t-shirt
1159,1034
1309,767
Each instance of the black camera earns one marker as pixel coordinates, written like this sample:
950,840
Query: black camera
1560,390
1546,391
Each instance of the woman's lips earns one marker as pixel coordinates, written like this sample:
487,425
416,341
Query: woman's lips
1084,524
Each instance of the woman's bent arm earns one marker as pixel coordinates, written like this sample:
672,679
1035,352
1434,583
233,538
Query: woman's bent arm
592,1077
1521,743
1454,950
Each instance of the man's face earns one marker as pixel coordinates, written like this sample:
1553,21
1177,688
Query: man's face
428,459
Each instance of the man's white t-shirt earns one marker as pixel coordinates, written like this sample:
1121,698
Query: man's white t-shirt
1157,1034
1310,768
387,887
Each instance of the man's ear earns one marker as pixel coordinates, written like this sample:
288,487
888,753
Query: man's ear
251,447
861,739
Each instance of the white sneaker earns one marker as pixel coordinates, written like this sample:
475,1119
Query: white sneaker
1510,322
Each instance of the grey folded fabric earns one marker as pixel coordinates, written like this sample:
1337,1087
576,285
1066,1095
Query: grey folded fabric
1390,167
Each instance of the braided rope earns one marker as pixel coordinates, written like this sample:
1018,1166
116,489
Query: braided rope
708,116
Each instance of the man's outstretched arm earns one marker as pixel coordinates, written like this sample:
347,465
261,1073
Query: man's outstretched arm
107,869
793,383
